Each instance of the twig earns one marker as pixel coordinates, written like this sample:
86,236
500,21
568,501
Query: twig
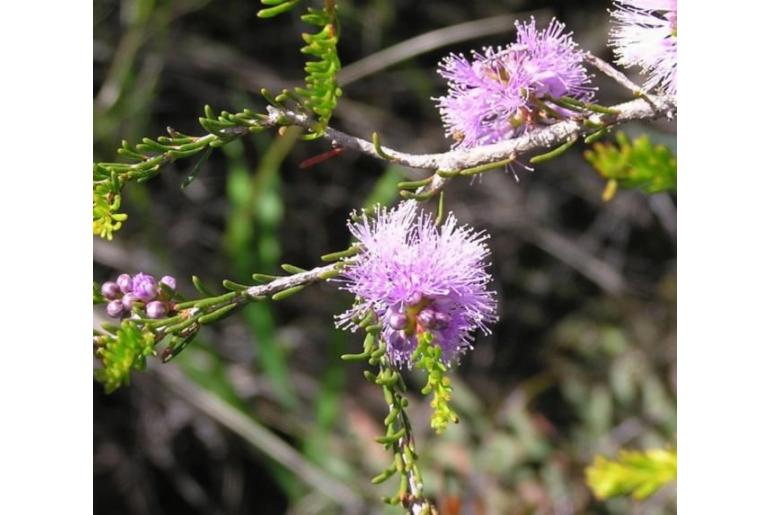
292,281
462,159
616,75
613,73
600,272
192,314
540,139
665,210
123,258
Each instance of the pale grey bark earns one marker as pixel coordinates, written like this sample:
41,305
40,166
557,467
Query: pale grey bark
290,281
542,139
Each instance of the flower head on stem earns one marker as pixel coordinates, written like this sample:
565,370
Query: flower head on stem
417,277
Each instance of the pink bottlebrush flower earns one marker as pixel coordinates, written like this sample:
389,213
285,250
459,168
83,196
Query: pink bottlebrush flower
418,277
498,94
644,34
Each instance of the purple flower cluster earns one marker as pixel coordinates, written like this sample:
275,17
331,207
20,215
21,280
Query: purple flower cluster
418,277
644,34
500,93
142,289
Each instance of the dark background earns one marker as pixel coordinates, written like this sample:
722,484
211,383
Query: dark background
581,363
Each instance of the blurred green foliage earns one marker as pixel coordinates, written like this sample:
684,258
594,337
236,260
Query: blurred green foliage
252,244
634,164
122,351
635,473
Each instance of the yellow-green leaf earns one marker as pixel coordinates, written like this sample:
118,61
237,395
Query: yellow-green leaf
636,473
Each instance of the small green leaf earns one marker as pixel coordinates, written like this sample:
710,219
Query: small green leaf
198,284
278,9
558,151
217,314
287,293
193,174
263,278
292,269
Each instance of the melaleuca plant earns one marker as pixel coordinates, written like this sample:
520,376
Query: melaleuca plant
420,285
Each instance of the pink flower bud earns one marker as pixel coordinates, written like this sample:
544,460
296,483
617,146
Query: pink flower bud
115,308
125,283
168,281
110,290
398,321
156,309
145,287
129,299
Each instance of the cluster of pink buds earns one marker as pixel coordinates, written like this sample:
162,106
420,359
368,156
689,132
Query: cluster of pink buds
142,291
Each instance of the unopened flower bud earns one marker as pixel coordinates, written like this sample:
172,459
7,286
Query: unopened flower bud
115,308
145,287
431,319
125,283
440,320
156,309
426,318
398,321
413,299
168,281
129,299
110,290
397,341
